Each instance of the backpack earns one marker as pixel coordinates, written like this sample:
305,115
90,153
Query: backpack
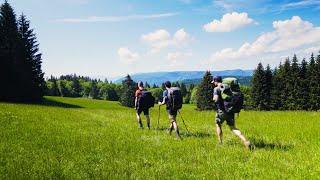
175,99
145,100
231,95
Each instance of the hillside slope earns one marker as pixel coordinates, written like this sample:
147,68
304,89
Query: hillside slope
75,138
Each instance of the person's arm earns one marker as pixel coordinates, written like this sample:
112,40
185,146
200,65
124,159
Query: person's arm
163,101
215,95
135,102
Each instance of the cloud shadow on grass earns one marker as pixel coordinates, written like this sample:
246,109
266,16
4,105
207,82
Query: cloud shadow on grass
261,144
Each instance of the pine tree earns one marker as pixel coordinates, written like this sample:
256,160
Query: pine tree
313,81
317,77
147,85
258,80
267,88
286,79
277,86
183,89
31,72
128,90
9,54
303,93
204,97
293,84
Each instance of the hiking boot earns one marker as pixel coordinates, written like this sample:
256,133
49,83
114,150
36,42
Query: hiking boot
248,145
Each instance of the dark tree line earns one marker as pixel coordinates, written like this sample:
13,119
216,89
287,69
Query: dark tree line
292,85
20,61
80,86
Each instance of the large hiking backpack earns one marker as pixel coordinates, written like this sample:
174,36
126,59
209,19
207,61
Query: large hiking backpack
231,95
175,99
145,100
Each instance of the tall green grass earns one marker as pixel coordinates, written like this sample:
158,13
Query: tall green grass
66,138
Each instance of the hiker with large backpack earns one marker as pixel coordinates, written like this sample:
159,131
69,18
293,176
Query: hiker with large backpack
173,99
143,102
229,101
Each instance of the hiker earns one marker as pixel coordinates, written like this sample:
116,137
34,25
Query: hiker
222,115
143,101
172,111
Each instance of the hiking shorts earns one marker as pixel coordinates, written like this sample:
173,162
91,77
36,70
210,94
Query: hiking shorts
145,111
223,116
172,113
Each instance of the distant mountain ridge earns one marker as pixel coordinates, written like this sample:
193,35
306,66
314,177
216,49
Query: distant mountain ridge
159,77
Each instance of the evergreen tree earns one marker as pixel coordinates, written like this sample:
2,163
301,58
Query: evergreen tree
313,81
317,77
276,90
31,72
204,97
183,89
128,89
9,54
147,85
286,79
267,88
293,84
303,93
258,80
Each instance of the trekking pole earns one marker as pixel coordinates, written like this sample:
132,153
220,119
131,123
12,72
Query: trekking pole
158,117
184,122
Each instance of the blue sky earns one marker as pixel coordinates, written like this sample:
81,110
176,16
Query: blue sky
112,38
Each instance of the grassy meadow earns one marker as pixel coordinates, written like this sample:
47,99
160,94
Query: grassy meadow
70,138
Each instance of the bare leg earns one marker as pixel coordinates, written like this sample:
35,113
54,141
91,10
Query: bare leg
139,121
170,128
238,133
148,121
219,133
173,125
176,128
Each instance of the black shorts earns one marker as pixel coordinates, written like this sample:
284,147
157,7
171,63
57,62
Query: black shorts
172,112
223,116
145,111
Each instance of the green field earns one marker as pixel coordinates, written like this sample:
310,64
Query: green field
67,138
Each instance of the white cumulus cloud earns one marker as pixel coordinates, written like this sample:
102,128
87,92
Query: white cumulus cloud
178,58
289,36
126,56
161,39
229,22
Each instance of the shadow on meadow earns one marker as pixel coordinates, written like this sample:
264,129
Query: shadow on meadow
53,103
262,144
186,134
45,102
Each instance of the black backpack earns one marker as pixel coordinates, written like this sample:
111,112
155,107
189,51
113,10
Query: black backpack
232,96
145,100
175,99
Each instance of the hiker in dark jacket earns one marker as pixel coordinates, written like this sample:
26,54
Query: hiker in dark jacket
222,115
140,109
171,112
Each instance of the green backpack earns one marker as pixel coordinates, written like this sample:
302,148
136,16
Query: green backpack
231,95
